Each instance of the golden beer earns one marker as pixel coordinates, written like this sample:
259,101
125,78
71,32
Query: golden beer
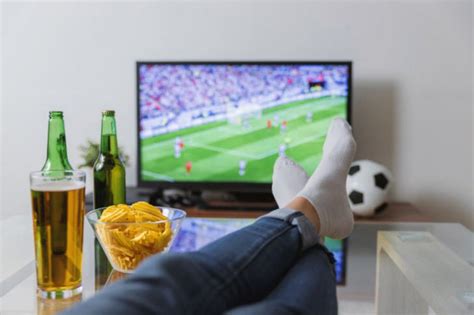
58,220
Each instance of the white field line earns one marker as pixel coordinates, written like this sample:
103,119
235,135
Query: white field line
158,176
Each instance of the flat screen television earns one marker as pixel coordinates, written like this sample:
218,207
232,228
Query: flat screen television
222,125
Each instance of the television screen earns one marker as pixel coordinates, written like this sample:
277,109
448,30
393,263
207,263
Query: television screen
228,122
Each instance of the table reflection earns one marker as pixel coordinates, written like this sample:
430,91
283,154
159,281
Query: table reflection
115,276
54,306
102,267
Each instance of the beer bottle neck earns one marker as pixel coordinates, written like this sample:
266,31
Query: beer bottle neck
57,150
108,140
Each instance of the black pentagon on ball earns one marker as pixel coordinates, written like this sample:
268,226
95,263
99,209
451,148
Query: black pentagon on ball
354,169
381,180
356,197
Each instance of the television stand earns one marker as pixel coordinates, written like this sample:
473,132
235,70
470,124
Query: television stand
205,200
243,201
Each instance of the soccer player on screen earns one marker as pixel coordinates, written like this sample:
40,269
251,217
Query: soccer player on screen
189,166
281,150
242,167
276,120
283,126
246,124
180,142
177,151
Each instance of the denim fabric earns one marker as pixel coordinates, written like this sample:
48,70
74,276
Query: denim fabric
241,268
309,287
309,236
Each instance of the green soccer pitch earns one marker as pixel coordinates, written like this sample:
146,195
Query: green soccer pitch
216,149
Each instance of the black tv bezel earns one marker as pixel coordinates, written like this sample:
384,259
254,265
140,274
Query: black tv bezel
221,186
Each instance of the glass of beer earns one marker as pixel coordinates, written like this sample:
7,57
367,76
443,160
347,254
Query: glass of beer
58,200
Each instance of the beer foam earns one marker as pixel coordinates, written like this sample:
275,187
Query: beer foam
58,186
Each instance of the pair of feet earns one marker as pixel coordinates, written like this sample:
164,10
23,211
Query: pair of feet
322,196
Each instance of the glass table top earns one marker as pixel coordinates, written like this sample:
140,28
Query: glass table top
18,280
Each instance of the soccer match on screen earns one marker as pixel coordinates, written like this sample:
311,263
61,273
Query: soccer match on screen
230,122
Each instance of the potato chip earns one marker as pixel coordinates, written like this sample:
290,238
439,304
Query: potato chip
146,232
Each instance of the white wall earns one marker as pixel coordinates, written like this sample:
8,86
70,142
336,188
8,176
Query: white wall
1,110
412,77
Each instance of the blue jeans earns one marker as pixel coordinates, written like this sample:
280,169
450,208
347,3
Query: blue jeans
260,269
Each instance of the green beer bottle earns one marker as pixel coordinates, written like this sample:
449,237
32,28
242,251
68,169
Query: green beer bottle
56,159
109,172
109,186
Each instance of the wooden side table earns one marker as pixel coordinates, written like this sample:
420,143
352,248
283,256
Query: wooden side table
416,272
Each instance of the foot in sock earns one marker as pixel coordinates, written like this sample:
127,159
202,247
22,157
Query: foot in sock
326,188
288,180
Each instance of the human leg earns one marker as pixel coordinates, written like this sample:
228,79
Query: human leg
238,269
242,267
309,287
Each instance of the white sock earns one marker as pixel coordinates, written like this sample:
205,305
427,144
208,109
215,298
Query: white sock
288,179
326,188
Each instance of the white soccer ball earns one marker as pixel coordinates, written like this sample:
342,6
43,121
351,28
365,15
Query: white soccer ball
367,187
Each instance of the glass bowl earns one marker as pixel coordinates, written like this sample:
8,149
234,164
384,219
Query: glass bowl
128,244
